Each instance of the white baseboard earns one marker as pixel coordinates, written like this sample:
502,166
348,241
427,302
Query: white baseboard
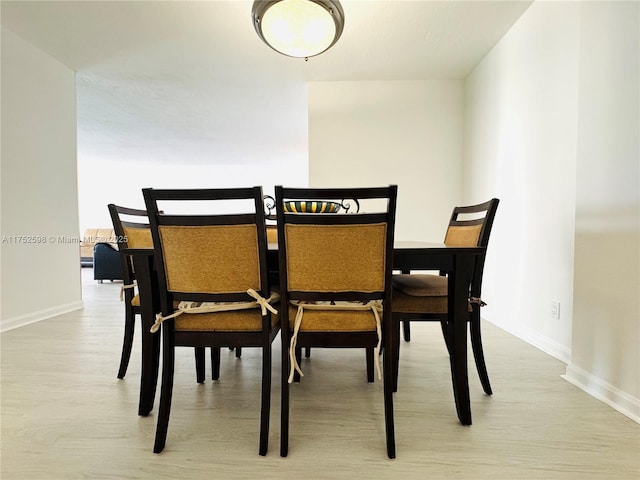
589,383
547,345
29,318
603,391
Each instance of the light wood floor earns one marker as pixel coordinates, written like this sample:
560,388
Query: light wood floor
66,416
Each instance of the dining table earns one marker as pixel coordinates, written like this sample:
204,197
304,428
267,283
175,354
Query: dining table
457,262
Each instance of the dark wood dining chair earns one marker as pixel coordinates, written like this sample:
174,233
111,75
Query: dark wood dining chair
335,283
213,283
137,234
423,297
129,234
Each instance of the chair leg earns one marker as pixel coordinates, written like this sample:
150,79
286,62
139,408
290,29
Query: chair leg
389,380
478,354
199,354
238,351
127,343
307,352
296,375
265,407
284,398
215,363
166,391
445,334
406,330
369,352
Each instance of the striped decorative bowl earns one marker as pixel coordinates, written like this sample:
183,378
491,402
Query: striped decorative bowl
309,206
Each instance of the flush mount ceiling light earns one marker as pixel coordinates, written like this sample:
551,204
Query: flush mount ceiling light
298,28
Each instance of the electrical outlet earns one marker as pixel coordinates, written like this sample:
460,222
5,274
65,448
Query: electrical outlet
555,309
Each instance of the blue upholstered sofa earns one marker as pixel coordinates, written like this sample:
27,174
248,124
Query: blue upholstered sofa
106,262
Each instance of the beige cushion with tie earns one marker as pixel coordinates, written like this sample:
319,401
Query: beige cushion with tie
420,293
420,285
328,321
135,301
236,321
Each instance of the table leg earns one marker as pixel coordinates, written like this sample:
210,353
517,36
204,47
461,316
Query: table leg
459,281
149,303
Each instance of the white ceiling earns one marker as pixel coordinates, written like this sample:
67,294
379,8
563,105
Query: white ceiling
161,80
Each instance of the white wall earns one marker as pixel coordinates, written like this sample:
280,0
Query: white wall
381,133
606,330
552,124
115,169
39,189
521,113
101,181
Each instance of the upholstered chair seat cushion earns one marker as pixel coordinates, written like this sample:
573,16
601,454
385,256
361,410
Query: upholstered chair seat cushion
420,294
135,301
403,303
421,285
334,320
249,320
